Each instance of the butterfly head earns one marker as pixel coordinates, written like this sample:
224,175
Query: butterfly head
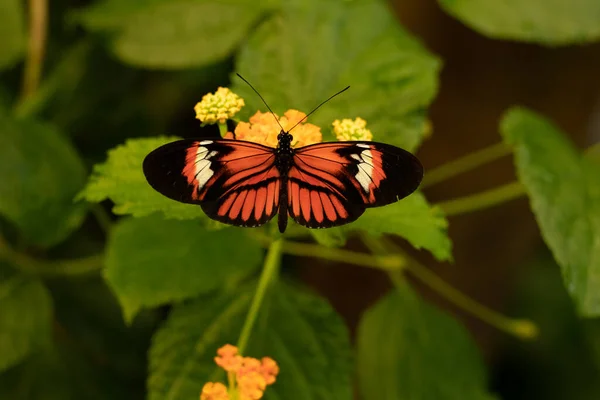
284,138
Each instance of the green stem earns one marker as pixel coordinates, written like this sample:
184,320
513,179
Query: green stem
49,268
521,328
38,24
464,164
102,217
64,76
486,199
386,263
222,129
270,269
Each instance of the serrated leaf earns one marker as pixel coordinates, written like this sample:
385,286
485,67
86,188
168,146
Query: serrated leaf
408,349
564,191
425,227
304,54
12,32
122,180
298,329
40,174
152,261
25,319
175,34
548,22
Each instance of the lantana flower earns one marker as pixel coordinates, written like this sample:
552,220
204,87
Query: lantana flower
263,128
219,106
248,377
348,129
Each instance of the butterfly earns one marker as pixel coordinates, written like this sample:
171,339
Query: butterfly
246,184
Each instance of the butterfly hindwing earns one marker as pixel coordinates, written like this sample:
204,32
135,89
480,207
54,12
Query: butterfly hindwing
332,183
235,182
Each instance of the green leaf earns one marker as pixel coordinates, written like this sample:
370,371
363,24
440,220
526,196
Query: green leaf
122,180
12,32
547,22
175,34
425,227
41,377
40,174
564,191
298,329
151,261
65,372
592,330
25,319
304,54
408,349
110,15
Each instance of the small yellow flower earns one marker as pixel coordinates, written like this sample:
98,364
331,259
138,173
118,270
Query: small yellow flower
218,106
263,128
347,129
214,391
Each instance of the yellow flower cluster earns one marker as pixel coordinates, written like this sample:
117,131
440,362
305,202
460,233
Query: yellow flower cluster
263,128
218,106
248,376
347,129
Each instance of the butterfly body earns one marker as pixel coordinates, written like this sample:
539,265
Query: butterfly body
283,162
319,186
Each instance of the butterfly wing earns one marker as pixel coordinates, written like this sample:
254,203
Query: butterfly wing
333,183
235,182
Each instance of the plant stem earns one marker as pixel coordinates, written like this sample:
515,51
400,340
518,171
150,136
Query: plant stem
64,76
49,268
386,263
478,201
464,164
270,269
102,217
222,129
38,24
521,328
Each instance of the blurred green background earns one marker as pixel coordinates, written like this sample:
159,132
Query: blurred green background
114,70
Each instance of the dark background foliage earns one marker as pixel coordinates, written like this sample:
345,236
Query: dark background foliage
124,294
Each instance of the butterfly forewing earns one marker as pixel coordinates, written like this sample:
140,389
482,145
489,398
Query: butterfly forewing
331,184
235,182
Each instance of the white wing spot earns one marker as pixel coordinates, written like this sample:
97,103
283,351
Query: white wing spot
364,175
203,171
364,146
205,142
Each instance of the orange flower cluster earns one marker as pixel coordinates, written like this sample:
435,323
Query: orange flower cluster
250,374
263,128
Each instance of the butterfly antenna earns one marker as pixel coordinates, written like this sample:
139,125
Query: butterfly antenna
263,100
319,106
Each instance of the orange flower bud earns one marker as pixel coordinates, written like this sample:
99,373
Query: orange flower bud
214,391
